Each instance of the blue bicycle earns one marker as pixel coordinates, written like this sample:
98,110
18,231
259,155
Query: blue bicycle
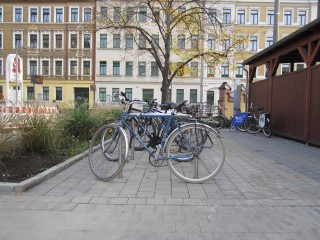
194,152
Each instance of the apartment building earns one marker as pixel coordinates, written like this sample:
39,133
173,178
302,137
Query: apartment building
55,40
121,67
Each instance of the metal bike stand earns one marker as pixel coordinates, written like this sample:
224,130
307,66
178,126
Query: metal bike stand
196,168
121,156
133,141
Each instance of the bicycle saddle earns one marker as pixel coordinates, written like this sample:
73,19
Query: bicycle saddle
172,105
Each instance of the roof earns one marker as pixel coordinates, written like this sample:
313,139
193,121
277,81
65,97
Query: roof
293,56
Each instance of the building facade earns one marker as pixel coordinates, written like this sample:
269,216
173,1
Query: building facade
55,40
58,41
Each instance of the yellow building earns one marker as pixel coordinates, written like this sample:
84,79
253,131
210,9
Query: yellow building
55,40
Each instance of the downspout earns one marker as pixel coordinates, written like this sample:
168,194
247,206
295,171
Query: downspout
247,86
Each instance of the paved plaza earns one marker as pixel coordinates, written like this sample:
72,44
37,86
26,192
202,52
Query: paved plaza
268,189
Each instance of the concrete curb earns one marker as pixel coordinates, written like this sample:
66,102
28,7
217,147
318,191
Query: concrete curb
49,173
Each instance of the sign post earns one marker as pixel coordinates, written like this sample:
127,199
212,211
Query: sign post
14,73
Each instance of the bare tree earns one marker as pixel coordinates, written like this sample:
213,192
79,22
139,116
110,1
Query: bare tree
177,23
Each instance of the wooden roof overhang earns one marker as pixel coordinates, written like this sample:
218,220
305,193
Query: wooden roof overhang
302,45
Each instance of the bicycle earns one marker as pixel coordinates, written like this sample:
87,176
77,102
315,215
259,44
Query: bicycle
263,122
194,152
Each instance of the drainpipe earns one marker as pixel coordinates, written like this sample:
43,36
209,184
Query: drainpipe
276,21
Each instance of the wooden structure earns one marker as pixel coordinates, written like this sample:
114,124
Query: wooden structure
292,99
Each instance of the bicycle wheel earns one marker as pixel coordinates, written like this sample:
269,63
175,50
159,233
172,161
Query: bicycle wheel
216,122
251,124
195,153
241,127
108,151
267,130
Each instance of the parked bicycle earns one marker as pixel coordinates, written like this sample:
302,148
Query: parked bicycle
256,124
194,152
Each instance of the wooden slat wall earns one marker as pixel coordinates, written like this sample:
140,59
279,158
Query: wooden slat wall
315,106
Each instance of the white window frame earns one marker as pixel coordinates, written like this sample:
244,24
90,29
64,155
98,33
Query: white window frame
14,13
29,17
239,19
267,16
70,14
28,70
1,66
256,38
41,40
83,9
54,66
306,17
258,17
55,14
82,66
285,23
73,60
1,40
70,45
29,42
87,33
42,9
1,10
54,40
14,39
41,67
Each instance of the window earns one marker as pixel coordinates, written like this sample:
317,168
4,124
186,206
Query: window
287,17
195,42
33,67
33,15
212,14
210,69
104,12
116,68
302,17
45,67
130,14
241,16
46,15
253,43
45,93
116,14
103,40
156,40
225,71
115,94
254,17
58,68
1,17
211,45
73,67
87,14
18,15
147,94
1,67
240,43
180,95
74,14
58,41
102,94
129,67
269,41
59,15
226,16
33,40
169,95
1,44
18,40
103,68
142,41
181,42
142,14
30,93
129,41
74,40
270,17
128,92
239,70
285,68
86,40
86,68
154,69
225,44
58,93
194,69
116,40
45,41
142,68
193,95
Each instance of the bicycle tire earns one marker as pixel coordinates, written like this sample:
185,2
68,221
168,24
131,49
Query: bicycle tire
108,152
203,155
241,128
216,122
251,124
267,130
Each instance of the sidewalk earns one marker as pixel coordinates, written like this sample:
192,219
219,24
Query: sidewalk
269,188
